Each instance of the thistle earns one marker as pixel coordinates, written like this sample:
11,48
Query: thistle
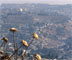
5,39
38,57
35,35
24,43
13,29
1,52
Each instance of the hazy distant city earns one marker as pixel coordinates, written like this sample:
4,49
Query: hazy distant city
53,23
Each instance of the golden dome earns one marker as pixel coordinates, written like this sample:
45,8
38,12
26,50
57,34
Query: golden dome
38,57
35,35
24,43
13,29
5,39
20,9
1,52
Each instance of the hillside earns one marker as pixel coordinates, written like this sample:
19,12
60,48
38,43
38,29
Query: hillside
53,23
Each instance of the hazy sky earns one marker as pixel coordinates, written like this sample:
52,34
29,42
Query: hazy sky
38,1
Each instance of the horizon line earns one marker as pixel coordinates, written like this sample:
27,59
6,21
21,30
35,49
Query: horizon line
38,3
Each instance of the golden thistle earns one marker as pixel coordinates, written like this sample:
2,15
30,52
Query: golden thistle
1,52
38,57
23,53
35,35
9,57
24,43
13,29
5,39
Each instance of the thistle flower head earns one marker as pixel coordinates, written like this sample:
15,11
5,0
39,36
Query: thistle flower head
24,43
24,51
38,57
5,39
1,52
13,29
35,35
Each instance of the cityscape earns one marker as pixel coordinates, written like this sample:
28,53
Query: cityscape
53,24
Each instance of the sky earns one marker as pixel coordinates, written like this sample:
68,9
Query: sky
38,1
